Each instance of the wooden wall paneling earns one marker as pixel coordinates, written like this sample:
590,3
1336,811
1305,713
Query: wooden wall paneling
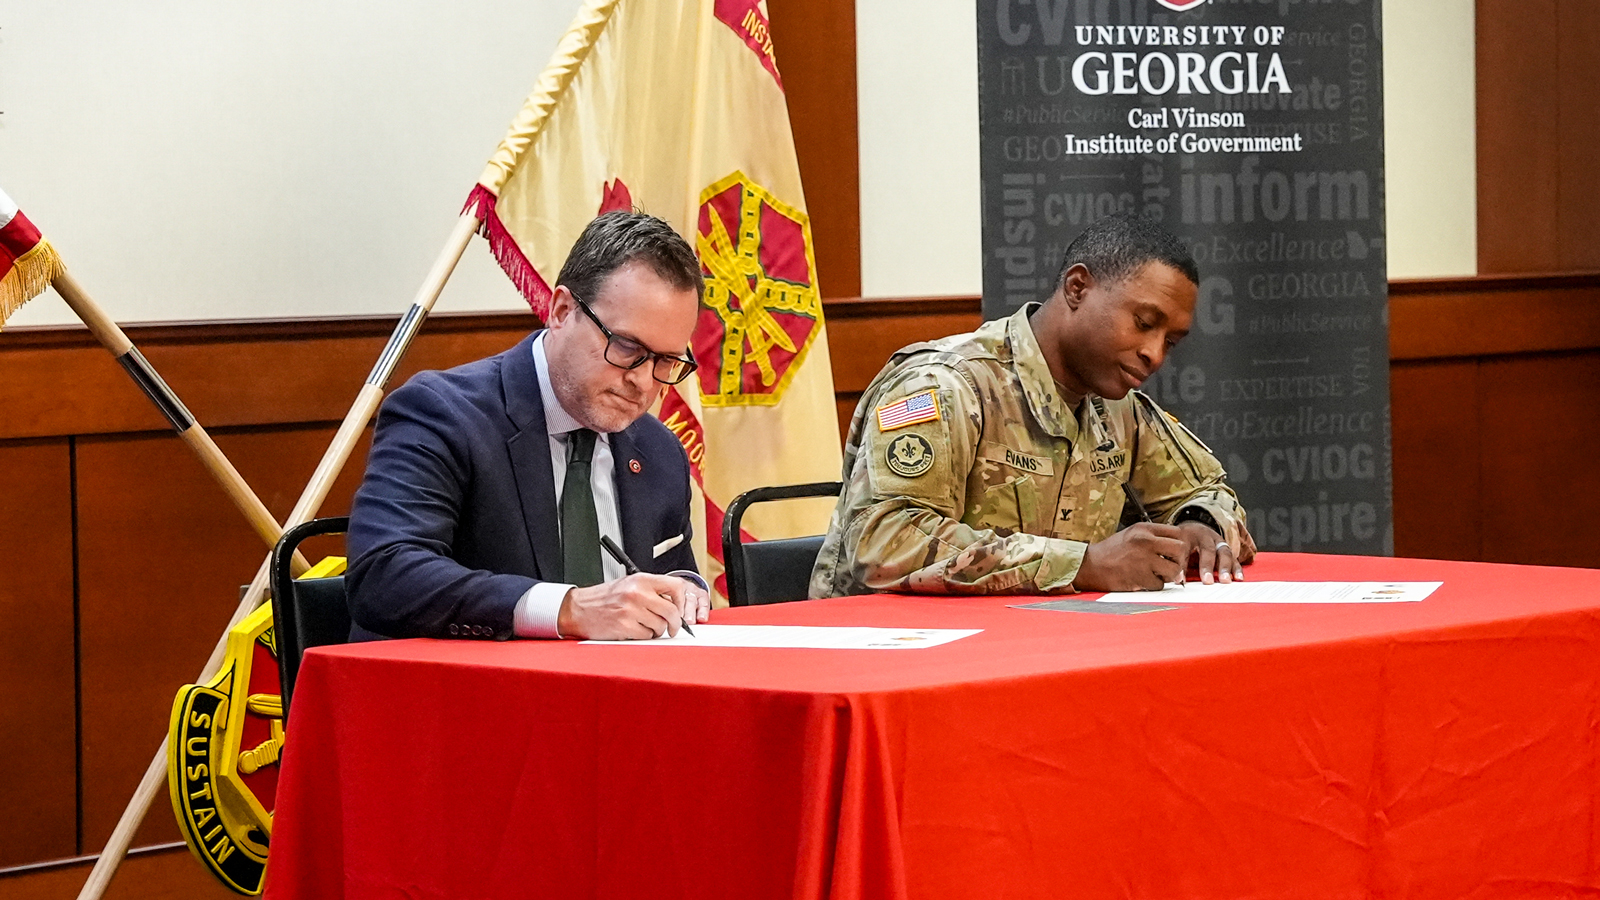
1518,150
1578,210
862,334
845,408
54,388
161,557
38,730
58,381
1437,436
815,43
1540,480
310,377
170,874
1493,315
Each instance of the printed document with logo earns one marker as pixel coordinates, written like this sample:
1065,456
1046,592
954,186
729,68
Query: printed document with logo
815,637
1283,592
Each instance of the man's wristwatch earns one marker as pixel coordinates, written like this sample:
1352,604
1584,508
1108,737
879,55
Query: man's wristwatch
1196,514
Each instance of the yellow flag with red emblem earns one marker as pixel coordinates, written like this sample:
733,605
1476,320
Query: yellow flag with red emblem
676,108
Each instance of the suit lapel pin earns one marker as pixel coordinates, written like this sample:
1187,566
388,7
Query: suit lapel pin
634,467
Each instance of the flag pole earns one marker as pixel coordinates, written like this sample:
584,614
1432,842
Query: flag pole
316,490
112,337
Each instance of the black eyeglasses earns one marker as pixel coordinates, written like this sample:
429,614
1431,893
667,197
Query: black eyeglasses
626,353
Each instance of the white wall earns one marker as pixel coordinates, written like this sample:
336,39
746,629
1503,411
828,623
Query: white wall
918,105
917,112
1430,117
226,160
231,160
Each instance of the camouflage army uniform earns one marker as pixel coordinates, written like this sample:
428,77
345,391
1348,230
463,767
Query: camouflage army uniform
1001,486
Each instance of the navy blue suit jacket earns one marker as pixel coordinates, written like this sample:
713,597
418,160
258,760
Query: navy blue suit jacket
456,517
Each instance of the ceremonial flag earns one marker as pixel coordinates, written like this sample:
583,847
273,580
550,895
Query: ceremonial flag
676,108
27,261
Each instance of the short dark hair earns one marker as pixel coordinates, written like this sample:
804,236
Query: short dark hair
617,238
1117,246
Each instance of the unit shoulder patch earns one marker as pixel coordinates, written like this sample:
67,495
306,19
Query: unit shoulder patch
909,455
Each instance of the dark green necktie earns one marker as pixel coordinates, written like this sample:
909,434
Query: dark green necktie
580,526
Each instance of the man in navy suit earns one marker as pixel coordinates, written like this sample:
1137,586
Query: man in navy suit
490,484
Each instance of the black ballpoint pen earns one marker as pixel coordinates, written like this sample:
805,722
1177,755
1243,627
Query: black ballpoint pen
1133,497
629,567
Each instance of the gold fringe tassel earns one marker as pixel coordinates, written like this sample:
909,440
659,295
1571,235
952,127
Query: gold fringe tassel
29,276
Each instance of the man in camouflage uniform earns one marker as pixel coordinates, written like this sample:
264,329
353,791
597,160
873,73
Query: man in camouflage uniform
1006,460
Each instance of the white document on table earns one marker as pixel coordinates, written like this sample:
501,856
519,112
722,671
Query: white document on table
1283,592
807,636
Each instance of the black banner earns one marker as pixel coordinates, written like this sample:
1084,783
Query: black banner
1253,129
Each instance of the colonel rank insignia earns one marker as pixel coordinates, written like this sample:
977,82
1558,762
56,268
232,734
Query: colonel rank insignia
223,744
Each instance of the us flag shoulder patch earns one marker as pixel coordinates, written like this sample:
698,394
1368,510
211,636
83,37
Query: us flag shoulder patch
913,410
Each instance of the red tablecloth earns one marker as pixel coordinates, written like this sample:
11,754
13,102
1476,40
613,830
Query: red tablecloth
1444,749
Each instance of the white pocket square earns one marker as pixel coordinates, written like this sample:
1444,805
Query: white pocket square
665,545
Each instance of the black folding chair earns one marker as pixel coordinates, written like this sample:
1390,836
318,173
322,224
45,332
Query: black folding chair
306,612
774,571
